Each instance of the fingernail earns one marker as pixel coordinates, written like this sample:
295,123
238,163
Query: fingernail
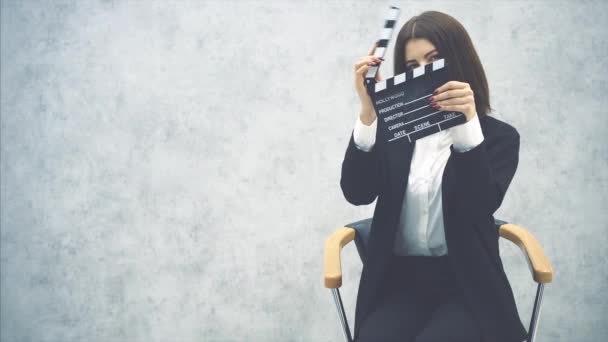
435,92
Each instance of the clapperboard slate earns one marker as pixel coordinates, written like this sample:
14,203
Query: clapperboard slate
401,102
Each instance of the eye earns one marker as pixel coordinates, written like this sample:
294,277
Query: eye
415,65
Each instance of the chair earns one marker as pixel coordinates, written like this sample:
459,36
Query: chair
540,267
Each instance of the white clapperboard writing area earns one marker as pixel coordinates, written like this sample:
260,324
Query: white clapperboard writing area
401,102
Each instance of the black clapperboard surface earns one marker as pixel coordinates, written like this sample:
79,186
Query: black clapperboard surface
402,101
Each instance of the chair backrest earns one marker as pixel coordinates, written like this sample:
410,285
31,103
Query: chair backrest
363,228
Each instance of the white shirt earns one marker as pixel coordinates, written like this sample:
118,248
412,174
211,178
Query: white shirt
421,230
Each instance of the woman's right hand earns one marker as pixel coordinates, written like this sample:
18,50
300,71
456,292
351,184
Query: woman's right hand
361,67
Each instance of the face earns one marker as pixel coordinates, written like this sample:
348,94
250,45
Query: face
418,52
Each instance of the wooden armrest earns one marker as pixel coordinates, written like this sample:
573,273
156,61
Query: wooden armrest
333,248
539,264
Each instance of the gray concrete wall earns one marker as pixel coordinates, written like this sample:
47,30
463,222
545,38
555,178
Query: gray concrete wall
170,169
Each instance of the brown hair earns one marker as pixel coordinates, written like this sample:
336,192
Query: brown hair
454,44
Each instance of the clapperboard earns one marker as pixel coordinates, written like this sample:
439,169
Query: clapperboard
401,102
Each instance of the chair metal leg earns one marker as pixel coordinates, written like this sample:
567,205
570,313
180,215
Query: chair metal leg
340,307
536,312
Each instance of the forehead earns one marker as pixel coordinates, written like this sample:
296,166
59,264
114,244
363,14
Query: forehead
416,48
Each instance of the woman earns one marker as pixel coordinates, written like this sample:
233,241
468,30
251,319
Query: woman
433,270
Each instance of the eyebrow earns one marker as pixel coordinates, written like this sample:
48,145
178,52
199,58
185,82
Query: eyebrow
425,56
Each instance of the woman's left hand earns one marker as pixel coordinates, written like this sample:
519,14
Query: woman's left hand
455,96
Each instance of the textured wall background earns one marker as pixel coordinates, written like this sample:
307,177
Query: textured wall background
170,169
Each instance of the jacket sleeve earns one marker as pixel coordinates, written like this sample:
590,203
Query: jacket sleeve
483,174
360,175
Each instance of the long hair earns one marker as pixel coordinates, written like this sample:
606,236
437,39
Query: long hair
454,44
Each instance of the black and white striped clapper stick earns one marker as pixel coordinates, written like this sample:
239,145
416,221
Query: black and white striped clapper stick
385,36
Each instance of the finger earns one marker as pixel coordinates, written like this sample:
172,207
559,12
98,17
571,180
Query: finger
448,94
377,75
456,101
367,65
450,85
455,108
362,70
366,60
372,58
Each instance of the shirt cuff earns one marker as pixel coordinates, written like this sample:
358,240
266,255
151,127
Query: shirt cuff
364,135
467,136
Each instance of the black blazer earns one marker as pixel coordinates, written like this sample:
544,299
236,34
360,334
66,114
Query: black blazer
474,184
